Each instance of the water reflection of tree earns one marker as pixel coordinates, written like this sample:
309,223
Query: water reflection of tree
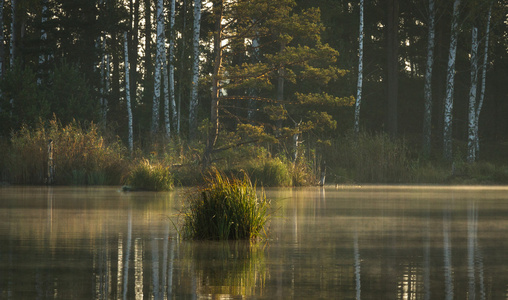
229,268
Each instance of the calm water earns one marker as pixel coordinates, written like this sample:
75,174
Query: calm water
371,242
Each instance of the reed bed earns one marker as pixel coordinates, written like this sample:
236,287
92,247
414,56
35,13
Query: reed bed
80,155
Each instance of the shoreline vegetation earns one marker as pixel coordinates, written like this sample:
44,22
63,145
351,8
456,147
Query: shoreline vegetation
84,155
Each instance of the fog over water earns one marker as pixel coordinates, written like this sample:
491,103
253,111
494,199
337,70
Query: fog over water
341,242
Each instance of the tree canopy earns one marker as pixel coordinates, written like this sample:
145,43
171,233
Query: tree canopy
268,70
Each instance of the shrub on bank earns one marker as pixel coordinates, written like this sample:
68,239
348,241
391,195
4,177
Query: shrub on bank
80,155
368,158
227,208
270,172
150,177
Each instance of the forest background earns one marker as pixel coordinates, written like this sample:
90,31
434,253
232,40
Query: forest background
384,91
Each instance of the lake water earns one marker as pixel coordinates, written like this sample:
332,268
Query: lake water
371,242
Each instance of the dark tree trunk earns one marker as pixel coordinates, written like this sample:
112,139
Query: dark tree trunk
392,63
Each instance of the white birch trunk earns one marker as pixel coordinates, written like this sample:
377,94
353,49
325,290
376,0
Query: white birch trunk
358,282
12,44
427,118
472,225
182,65
127,255
360,71
165,75
172,65
13,34
127,92
450,84
158,64
471,147
447,256
484,76
193,105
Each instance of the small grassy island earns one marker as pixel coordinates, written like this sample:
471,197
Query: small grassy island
226,208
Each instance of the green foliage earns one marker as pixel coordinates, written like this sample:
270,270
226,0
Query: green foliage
150,177
324,99
368,158
66,94
477,173
226,208
69,94
21,100
80,156
270,172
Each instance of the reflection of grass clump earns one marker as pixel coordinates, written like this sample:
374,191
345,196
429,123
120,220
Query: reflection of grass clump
150,177
234,268
226,208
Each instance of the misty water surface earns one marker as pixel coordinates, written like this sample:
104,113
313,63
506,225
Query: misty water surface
371,242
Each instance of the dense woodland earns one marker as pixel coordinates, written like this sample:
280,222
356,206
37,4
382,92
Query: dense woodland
284,74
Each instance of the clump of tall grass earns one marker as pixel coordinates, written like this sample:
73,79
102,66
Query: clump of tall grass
80,155
150,177
226,208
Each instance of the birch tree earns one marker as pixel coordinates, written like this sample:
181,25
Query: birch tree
159,56
12,42
193,105
165,77
471,147
483,80
172,64
427,113
360,71
450,84
127,92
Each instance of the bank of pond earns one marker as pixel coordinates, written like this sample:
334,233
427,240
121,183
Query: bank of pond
74,155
